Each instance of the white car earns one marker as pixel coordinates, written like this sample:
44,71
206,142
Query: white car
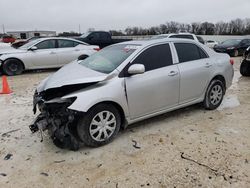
125,83
44,53
211,43
180,36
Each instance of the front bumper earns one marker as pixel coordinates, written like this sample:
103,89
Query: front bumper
58,120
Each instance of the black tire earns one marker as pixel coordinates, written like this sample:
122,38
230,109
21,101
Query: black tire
12,67
82,57
84,125
209,102
245,68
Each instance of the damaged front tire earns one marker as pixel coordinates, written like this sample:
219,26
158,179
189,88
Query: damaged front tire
99,125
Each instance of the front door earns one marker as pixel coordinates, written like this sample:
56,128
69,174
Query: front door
158,88
45,56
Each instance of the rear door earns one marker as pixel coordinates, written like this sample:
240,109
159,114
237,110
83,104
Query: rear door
158,88
195,71
68,51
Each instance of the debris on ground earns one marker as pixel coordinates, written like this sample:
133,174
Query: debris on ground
135,145
8,156
44,174
7,134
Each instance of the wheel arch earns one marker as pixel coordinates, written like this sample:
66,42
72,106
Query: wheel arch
9,58
119,108
221,78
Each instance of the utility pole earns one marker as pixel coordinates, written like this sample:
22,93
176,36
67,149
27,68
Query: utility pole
79,29
3,29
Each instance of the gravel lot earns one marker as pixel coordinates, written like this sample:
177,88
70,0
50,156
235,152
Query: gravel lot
190,147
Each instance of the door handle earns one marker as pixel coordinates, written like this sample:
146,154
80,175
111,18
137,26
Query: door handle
77,50
52,53
208,65
173,73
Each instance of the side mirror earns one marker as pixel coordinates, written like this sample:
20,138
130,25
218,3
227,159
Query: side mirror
33,48
136,69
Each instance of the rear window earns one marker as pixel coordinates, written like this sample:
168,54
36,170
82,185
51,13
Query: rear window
109,58
182,36
200,39
189,52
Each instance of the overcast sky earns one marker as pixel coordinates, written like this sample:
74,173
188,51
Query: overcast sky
66,15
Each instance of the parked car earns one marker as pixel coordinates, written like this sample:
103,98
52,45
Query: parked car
44,53
100,38
21,42
233,47
245,64
125,83
180,36
8,39
211,43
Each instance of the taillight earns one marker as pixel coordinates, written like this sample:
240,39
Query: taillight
231,61
97,49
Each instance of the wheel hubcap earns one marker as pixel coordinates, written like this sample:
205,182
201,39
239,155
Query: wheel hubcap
13,67
216,94
102,126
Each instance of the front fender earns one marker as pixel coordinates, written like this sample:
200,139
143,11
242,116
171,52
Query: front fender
108,91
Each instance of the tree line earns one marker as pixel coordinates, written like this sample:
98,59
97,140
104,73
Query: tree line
234,27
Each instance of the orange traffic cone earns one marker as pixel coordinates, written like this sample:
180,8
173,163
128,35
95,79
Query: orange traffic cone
6,88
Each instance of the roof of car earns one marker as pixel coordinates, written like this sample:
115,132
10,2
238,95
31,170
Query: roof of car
62,38
155,41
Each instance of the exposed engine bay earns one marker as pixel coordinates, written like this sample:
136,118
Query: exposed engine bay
55,117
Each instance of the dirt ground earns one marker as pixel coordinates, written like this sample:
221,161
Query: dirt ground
190,147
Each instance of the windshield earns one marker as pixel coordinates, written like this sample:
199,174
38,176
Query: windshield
231,42
109,58
30,44
85,35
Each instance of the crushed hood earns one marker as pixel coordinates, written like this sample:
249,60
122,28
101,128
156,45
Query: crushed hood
71,74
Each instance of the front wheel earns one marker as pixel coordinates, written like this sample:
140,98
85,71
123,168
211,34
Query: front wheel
245,68
214,95
99,126
12,67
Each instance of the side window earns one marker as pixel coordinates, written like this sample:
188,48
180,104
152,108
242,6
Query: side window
182,36
77,43
189,52
200,39
66,43
104,36
95,36
155,57
47,44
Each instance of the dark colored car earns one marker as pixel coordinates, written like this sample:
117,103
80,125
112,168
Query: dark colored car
233,47
245,64
99,38
8,39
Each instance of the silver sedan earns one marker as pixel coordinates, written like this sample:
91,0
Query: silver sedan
126,83
43,53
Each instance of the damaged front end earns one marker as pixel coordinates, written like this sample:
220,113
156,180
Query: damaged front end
56,117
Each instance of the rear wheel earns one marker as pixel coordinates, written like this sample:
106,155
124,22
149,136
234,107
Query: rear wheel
245,68
214,95
12,67
99,126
